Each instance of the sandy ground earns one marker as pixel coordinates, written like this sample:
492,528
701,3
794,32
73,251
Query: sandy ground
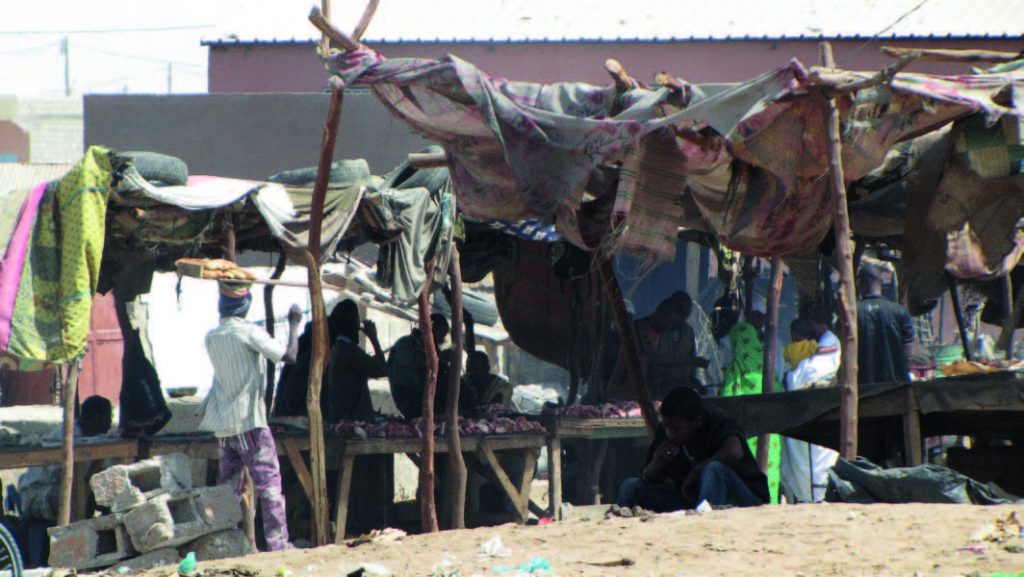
790,540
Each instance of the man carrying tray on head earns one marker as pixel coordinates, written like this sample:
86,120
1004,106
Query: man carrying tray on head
235,410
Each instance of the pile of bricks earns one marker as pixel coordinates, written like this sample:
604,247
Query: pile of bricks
156,516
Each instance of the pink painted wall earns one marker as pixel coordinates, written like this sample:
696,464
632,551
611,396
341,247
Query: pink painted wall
295,67
13,140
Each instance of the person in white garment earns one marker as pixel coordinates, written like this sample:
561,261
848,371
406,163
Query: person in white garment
804,468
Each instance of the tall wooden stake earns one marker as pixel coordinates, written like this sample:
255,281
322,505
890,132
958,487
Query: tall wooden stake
771,339
629,343
457,476
68,448
428,509
848,399
268,322
319,358
312,255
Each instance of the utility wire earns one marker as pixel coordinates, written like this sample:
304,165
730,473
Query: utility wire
29,49
108,30
136,57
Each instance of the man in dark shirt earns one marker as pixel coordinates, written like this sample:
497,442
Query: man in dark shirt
885,332
350,367
698,454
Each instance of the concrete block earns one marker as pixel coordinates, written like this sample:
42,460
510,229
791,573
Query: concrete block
88,544
171,520
155,558
123,487
222,545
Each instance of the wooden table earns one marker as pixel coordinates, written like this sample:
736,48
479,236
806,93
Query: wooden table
486,446
88,454
600,430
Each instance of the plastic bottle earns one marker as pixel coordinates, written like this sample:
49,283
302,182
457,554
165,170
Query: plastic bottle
187,567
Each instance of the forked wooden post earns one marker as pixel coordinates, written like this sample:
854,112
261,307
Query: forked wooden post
771,339
958,312
312,256
848,399
428,509
68,449
629,344
457,475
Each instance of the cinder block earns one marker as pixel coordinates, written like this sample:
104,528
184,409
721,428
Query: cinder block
221,545
123,487
88,544
171,520
156,558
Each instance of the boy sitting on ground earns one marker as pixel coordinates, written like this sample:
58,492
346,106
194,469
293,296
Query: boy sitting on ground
698,454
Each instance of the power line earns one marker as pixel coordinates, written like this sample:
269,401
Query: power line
136,57
108,30
901,18
123,78
30,48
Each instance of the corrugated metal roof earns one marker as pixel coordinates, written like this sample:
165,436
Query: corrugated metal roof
284,21
15,176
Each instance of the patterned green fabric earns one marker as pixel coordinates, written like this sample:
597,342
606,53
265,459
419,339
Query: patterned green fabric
62,263
743,377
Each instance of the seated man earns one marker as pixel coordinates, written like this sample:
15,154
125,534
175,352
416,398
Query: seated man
351,368
39,487
484,386
407,368
698,454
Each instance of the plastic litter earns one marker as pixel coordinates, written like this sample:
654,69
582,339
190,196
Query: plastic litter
536,566
283,571
447,567
494,548
704,507
365,570
187,567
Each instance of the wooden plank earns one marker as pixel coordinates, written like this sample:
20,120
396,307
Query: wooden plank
299,466
555,476
20,458
511,491
911,418
527,479
342,496
847,377
952,55
68,447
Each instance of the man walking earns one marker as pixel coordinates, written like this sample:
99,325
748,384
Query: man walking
885,332
234,408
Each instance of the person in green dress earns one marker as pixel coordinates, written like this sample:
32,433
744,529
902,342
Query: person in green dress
743,377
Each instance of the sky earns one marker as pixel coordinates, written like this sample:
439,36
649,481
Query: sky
118,45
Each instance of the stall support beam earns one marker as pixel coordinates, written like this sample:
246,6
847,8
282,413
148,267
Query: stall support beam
428,508
847,292
457,475
72,370
268,314
629,343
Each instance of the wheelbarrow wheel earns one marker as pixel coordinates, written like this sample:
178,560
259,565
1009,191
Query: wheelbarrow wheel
10,556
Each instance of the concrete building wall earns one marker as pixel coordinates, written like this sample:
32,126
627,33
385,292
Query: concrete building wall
50,129
288,67
247,135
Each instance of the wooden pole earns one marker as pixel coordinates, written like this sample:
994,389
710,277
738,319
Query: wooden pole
268,322
949,55
457,475
958,311
629,344
1010,324
319,357
428,509
771,339
72,371
847,293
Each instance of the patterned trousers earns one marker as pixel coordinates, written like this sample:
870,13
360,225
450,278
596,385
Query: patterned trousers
255,450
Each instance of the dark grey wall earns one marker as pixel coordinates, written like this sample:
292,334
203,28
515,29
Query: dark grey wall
247,135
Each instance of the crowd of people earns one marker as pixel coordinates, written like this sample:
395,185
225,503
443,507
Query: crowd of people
698,454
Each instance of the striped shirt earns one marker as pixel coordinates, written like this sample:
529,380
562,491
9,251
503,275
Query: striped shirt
235,403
